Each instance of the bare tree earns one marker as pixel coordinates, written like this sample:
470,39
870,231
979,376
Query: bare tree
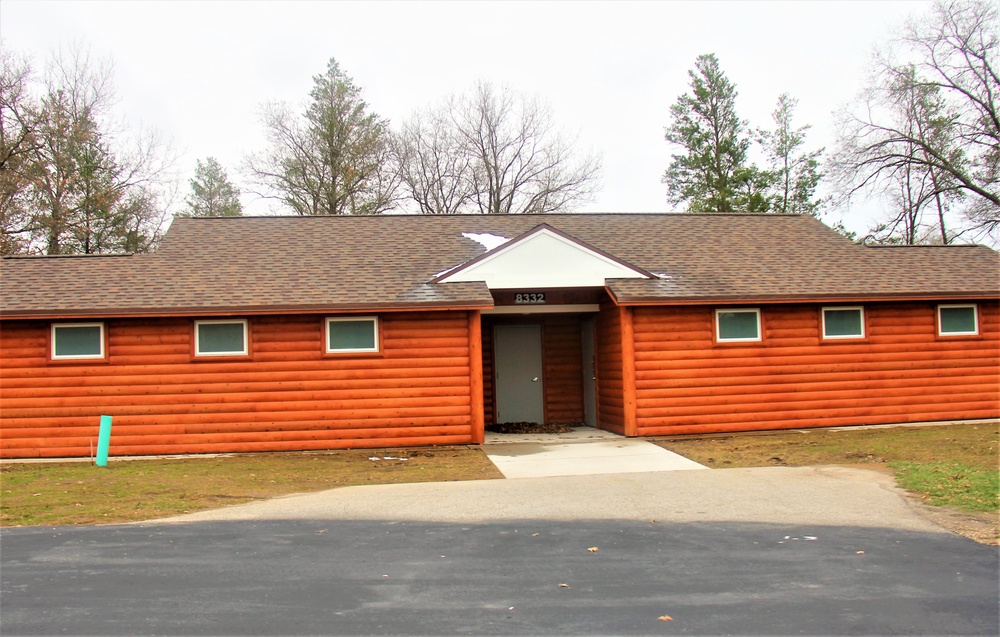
17,141
335,159
434,168
931,111
493,151
83,185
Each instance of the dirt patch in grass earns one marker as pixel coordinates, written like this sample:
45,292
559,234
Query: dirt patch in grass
126,491
529,428
951,470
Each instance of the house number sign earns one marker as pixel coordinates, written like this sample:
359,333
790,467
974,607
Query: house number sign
529,298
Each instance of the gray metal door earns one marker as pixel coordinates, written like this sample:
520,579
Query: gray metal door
518,367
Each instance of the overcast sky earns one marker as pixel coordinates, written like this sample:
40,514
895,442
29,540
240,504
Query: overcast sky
199,71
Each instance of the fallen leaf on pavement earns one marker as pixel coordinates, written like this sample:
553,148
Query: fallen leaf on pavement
564,586
666,618
593,549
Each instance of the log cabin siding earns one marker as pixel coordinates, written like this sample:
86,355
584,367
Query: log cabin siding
610,389
901,372
287,395
489,404
562,352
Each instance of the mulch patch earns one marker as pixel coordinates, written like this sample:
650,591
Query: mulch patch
528,428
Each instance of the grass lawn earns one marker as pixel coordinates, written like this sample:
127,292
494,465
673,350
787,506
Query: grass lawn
955,465
125,491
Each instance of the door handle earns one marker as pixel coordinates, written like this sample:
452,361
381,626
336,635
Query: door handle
535,379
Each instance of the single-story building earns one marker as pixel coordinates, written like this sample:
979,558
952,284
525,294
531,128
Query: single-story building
295,333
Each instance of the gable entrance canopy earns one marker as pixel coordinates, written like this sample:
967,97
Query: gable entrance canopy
542,258
541,272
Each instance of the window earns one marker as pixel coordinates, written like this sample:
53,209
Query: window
220,338
735,326
843,322
355,334
958,320
76,341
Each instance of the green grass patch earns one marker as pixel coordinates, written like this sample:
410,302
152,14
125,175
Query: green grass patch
125,491
941,483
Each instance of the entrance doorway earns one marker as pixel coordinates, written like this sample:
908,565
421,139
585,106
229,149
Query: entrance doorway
519,391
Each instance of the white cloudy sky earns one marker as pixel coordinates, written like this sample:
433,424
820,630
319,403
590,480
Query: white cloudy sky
198,71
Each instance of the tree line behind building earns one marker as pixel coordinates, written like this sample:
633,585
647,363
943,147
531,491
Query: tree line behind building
923,138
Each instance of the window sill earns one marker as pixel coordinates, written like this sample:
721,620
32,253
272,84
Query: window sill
79,361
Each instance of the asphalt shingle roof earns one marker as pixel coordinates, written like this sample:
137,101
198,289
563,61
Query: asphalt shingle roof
304,264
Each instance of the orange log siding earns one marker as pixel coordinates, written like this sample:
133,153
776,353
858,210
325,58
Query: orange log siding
901,372
287,395
489,408
563,356
610,386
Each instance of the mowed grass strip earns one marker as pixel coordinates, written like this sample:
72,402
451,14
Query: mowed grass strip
69,493
954,465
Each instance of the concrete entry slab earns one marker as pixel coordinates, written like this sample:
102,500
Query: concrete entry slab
594,457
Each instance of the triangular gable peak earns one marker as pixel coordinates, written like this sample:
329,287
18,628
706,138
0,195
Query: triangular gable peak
543,258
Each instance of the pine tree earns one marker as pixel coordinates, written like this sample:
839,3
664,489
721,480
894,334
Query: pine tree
796,172
334,160
712,174
212,194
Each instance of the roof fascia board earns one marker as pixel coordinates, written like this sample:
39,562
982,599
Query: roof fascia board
239,311
791,300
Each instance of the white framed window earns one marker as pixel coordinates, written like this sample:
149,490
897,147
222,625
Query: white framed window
958,320
221,338
843,322
738,325
352,334
77,341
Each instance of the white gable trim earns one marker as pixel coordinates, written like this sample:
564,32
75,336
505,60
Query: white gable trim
542,258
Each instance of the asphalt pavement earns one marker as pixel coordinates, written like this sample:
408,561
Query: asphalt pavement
768,551
511,577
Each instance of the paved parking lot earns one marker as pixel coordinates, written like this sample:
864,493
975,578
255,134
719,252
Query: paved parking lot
510,577
828,550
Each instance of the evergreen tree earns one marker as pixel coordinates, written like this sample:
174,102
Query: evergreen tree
336,159
712,174
796,172
212,194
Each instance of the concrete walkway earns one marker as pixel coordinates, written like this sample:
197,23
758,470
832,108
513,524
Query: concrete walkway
802,496
586,451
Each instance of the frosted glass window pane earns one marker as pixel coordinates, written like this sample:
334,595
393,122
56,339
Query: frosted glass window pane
352,335
221,338
958,320
843,323
78,341
738,325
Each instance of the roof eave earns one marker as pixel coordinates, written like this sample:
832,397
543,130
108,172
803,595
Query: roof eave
244,310
803,298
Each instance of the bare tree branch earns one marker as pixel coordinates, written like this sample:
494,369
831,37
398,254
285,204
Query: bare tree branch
492,151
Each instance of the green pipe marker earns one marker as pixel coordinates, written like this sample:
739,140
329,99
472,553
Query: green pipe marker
104,441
